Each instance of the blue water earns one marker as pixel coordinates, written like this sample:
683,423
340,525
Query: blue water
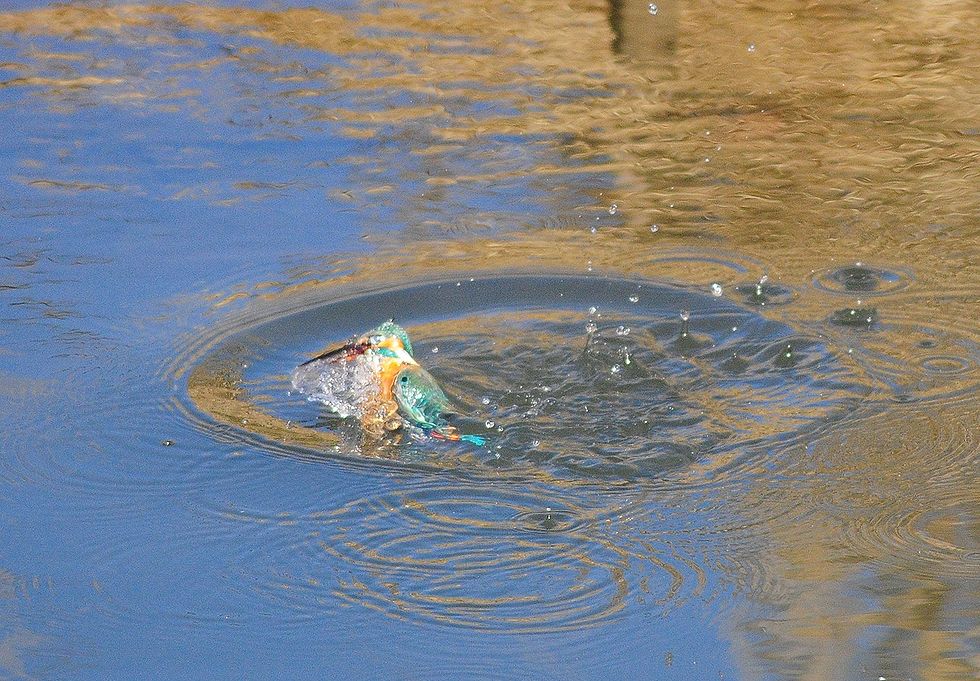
196,198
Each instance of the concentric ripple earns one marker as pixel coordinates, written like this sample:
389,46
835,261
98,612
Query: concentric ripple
919,359
605,404
862,279
922,517
465,553
575,377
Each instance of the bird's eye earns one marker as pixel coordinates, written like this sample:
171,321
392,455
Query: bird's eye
404,379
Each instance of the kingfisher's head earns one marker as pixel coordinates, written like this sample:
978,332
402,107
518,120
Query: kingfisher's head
388,333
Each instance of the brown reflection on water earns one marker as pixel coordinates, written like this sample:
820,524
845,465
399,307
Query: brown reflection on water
845,125
215,387
793,136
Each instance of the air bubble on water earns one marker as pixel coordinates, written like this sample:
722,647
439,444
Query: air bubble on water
472,279
751,47
622,330
593,229
490,424
593,309
685,315
654,228
716,290
613,208
634,299
653,9
534,445
435,349
591,328
485,400
616,368
734,328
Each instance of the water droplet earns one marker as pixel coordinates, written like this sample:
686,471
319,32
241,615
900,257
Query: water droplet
685,315
652,9
167,443
616,368
751,47
654,228
716,290
591,328
485,400
622,331
634,299
490,424
435,349
534,445
613,208
593,229
734,328
593,309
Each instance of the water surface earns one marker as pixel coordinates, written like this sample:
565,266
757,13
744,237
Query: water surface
781,486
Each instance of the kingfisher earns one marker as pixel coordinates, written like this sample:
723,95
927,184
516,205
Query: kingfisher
376,377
